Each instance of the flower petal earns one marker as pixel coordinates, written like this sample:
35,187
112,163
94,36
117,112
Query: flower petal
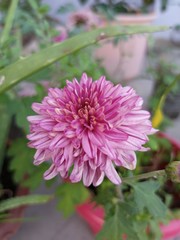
50,173
111,173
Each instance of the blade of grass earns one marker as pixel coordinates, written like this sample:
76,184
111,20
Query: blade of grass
16,72
23,200
9,21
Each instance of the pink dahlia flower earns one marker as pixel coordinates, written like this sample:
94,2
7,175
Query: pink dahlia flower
87,128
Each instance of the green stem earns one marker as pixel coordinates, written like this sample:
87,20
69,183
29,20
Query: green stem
153,174
119,193
9,21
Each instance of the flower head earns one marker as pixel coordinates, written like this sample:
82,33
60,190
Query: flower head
87,128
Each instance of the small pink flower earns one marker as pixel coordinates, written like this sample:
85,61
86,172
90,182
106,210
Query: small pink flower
87,128
28,89
63,34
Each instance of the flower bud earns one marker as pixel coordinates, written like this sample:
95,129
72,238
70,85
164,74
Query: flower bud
173,171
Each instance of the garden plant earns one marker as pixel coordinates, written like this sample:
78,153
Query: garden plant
60,111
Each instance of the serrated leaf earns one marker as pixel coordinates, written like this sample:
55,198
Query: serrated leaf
146,198
70,195
23,200
21,159
120,224
140,227
36,177
21,108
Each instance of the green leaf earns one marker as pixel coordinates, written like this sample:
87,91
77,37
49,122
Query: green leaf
69,195
155,230
9,21
120,224
140,227
153,143
21,69
146,198
24,109
24,200
35,177
22,159
4,128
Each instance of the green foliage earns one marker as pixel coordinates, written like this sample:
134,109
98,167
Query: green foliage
146,198
77,63
9,21
106,189
23,200
160,154
22,157
141,208
112,8
69,195
119,224
21,165
124,222
4,130
9,76
164,74
36,177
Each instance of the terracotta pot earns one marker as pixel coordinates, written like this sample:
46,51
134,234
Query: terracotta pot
8,229
124,60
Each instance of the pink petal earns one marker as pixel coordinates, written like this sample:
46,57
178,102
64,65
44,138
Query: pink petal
111,173
35,119
98,177
87,145
41,155
77,172
88,175
50,173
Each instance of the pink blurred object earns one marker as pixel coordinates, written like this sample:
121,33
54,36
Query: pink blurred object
63,34
28,89
125,60
171,230
94,216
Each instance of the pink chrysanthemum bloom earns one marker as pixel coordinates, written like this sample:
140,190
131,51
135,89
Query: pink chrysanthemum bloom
87,128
